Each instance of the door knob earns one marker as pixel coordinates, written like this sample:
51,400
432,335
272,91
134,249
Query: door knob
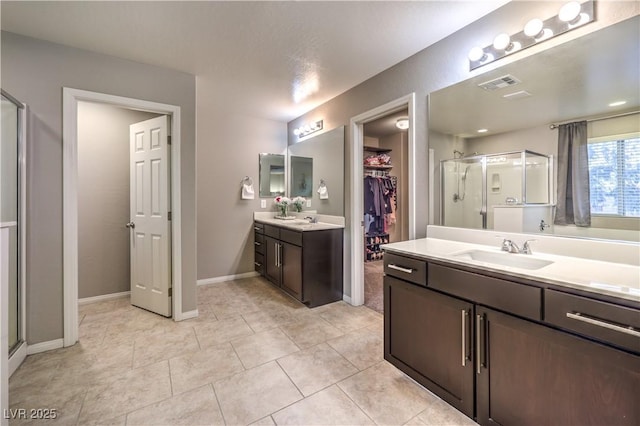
130,225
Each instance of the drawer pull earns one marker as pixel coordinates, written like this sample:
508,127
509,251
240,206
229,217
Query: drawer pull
257,243
258,264
257,228
400,268
582,317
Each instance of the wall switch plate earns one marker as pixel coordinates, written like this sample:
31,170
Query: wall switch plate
263,204
308,203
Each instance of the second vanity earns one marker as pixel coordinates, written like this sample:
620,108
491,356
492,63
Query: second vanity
303,259
518,339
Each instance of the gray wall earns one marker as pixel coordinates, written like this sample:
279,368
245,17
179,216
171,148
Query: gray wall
434,68
35,72
103,197
228,148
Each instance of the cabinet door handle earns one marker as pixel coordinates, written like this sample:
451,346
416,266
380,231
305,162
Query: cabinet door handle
257,243
464,338
256,228
258,264
275,245
584,318
400,268
479,320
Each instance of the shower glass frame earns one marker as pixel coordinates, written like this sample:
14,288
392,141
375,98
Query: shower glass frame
21,222
482,159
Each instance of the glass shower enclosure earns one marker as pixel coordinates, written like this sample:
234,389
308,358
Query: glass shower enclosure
472,186
11,156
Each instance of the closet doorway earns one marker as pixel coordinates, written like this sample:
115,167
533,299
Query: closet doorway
385,196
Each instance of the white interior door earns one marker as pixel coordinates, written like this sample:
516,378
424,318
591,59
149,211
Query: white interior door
150,216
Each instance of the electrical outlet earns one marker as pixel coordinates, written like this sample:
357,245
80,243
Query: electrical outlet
263,204
308,203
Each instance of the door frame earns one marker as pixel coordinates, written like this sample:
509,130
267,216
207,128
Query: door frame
357,185
70,99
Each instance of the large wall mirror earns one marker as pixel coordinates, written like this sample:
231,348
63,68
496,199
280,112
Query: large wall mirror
316,161
272,175
495,151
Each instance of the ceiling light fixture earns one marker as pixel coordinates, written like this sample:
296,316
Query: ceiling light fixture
483,130
617,103
571,15
307,129
402,123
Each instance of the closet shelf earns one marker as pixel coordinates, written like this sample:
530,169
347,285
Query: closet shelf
376,149
377,167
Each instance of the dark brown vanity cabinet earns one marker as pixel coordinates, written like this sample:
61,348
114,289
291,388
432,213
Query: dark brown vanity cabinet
306,265
504,352
429,336
530,374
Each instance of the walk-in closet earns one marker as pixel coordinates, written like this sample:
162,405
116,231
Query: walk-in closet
385,202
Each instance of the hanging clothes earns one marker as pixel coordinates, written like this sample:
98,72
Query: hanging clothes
380,202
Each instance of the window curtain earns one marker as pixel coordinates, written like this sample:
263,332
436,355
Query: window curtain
573,206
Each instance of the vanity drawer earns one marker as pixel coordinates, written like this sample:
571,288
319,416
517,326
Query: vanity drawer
259,243
515,298
259,263
405,268
272,231
291,237
258,228
603,321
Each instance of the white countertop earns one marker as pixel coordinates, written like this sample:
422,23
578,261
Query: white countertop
299,223
613,279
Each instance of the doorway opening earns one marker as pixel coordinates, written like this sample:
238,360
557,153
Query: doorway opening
73,100
386,207
406,107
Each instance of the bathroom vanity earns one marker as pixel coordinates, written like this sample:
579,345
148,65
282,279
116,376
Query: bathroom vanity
302,259
512,340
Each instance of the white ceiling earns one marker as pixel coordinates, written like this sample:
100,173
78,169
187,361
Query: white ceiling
253,55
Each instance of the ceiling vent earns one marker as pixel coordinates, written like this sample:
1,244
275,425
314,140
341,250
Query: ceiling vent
517,95
499,83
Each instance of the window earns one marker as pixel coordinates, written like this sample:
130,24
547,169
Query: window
614,176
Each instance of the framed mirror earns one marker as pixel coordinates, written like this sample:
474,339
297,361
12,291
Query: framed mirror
517,107
301,172
272,175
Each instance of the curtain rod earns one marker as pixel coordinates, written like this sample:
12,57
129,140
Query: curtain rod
554,125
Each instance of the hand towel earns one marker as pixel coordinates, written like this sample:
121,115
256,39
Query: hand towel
247,192
324,194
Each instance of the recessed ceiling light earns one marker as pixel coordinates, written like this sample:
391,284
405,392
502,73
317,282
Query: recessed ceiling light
402,123
483,130
618,103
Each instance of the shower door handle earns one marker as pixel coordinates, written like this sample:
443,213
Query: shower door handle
483,213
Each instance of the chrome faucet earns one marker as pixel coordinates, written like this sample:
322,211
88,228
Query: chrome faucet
511,247
312,219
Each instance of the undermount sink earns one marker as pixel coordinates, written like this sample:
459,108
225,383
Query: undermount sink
522,261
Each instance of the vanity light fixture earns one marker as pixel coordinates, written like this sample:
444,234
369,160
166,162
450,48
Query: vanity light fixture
570,16
402,123
307,129
618,103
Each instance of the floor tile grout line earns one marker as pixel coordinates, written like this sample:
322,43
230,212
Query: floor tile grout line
215,395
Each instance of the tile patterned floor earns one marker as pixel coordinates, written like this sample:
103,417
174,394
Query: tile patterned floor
253,356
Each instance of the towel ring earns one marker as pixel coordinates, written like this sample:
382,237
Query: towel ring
245,179
322,184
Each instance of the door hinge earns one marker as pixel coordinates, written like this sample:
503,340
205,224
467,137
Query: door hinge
169,140
169,216
170,291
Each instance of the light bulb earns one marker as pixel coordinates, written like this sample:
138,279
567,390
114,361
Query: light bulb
296,132
570,12
402,124
477,54
534,28
502,41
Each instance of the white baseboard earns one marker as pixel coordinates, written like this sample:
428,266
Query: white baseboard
45,346
188,315
94,299
16,359
346,298
227,278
